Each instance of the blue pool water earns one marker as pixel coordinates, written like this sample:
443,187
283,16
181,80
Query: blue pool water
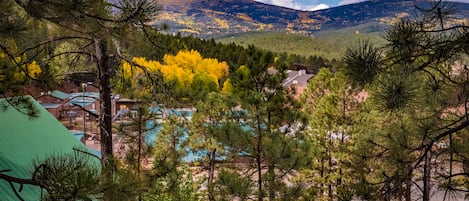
155,128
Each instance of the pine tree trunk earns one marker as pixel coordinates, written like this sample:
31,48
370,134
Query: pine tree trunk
329,173
322,174
426,177
259,170
399,192
211,175
105,118
140,133
271,182
259,156
139,154
104,77
408,193
329,186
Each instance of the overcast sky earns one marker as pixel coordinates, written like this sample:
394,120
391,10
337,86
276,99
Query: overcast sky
316,4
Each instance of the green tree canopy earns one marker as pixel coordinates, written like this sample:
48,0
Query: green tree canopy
417,85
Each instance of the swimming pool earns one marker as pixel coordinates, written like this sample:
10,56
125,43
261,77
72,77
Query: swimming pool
155,127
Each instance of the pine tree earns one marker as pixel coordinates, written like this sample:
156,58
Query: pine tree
418,84
331,102
212,128
171,179
97,28
273,122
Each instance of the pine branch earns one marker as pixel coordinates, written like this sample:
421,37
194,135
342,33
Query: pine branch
11,180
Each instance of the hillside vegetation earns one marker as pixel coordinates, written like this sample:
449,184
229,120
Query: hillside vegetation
212,18
327,44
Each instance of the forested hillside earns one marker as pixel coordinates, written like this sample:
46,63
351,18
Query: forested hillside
328,44
235,54
213,18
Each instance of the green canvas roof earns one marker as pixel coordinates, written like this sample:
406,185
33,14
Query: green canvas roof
23,140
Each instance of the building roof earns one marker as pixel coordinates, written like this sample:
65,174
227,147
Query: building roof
299,78
60,94
126,100
56,94
23,140
50,105
83,99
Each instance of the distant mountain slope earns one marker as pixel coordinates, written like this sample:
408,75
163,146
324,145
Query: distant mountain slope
212,18
325,44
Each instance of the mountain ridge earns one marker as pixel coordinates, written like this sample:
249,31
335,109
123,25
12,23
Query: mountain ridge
213,18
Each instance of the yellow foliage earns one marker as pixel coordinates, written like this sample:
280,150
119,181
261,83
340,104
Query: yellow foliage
19,76
182,67
227,87
245,17
222,23
244,70
32,69
189,31
130,72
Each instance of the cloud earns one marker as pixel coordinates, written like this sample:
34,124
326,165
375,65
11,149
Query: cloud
293,5
345,2
284,3
315,7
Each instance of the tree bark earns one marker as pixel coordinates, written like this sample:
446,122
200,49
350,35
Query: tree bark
139,154
322,175
329,173
139,142
259,156
271,182
408,193
426,176
211,175
105,119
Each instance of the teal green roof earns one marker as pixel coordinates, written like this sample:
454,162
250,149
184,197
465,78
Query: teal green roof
23,140
60,94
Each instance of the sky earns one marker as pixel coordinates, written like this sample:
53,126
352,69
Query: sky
311,5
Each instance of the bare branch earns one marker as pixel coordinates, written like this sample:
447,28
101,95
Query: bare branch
73,52
56,39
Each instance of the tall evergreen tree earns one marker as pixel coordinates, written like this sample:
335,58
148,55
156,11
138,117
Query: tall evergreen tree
273,122
98,26
214,124
419,84
170,177
331,103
